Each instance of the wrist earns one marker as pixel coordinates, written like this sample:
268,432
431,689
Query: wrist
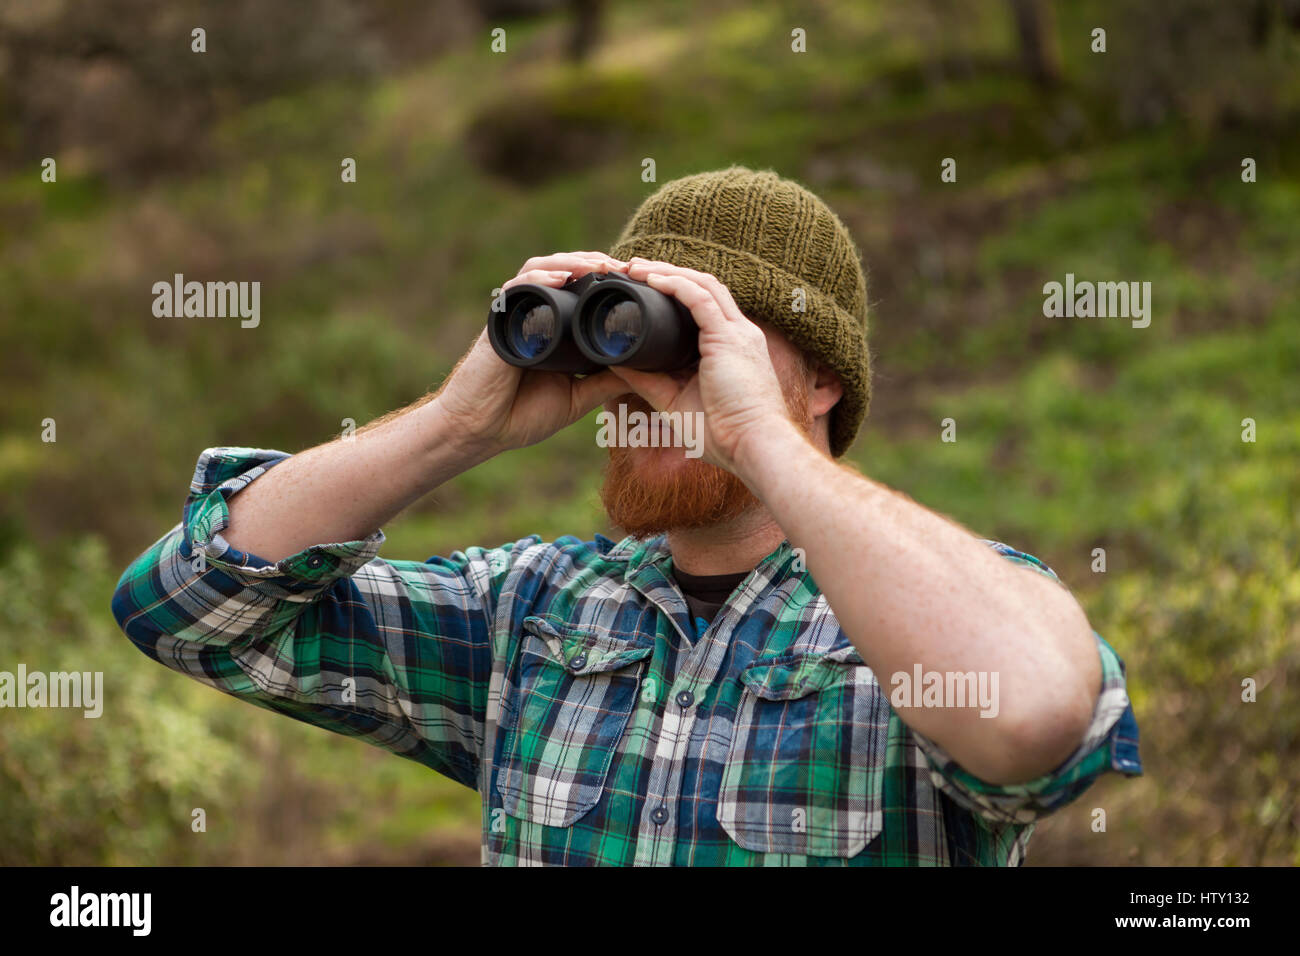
775,445
445,441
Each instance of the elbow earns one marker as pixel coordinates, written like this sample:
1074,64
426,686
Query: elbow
124,607
131,605
1042,738
1053,718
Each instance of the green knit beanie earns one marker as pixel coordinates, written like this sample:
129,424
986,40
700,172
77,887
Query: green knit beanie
764,237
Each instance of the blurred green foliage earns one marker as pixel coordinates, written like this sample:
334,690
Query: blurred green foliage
1072,434
118,788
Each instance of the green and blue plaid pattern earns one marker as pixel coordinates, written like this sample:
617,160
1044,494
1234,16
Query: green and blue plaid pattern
566,683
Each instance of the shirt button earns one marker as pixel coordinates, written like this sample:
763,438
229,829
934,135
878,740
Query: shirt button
685,699
578,662
660,816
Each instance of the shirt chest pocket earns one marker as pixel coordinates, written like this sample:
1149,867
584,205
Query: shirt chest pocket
804,773
564,718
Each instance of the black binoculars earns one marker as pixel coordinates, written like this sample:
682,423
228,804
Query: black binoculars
599,319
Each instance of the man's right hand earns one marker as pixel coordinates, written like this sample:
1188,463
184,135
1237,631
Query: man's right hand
494,406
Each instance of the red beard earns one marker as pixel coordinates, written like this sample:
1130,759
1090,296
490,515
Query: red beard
645,498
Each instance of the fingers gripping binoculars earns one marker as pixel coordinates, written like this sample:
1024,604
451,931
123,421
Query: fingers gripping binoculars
599,319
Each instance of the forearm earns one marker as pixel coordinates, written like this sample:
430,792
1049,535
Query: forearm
347,488
910,587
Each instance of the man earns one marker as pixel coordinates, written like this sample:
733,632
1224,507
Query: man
730,684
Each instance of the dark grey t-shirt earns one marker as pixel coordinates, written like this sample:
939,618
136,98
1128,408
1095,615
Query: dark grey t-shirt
706,593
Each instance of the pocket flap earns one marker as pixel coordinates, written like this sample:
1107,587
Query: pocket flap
792,676
588,650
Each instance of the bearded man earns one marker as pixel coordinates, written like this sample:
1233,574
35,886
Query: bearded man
783,662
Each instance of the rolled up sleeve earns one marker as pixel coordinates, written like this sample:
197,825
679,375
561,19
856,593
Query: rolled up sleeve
393,652
222,473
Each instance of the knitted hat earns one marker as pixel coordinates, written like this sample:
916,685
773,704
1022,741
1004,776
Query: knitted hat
764,237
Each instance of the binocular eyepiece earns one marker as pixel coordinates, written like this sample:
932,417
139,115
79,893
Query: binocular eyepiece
597,320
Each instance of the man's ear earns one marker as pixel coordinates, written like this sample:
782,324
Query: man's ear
827,389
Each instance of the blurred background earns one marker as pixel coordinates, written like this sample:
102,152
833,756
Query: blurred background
1073,434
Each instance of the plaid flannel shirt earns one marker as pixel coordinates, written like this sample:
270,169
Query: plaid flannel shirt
564,682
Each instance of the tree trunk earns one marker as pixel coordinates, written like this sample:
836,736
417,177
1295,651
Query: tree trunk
1039,50
587,16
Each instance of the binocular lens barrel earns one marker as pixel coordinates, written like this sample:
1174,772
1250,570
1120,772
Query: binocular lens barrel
532,330
615,326
531,327
594,321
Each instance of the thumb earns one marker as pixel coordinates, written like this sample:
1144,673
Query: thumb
595,390
658,389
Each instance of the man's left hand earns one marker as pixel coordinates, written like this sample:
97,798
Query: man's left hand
736,386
